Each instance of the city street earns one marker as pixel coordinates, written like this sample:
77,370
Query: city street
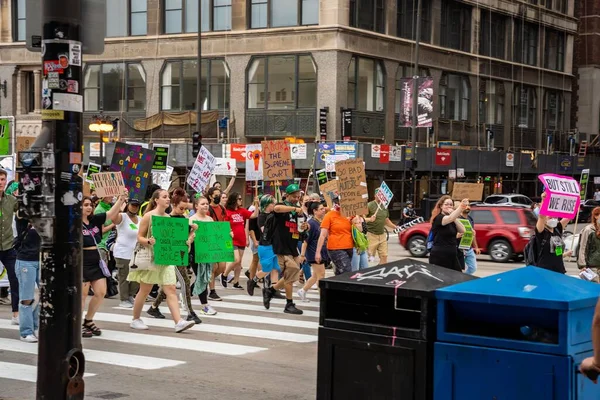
244,351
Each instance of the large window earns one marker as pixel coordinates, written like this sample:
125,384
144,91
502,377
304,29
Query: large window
368,15
525,106
181,16
126,18
555,50
282,82
456,25
407,16
19,20
526,43
454,97
179,85
557,5
553,110
366,84
491,102
492,34
279,13
115,87
404,71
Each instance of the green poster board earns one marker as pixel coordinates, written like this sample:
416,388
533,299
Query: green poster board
467,239
4,137
213,242
171,235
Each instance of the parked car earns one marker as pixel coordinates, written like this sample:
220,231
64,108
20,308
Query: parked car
517,200
586,208
501,231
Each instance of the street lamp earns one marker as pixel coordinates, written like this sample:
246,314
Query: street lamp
101,124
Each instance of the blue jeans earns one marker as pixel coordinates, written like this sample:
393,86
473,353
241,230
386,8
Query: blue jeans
359,261
470,262
28,273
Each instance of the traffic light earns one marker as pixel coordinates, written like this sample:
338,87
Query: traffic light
196,143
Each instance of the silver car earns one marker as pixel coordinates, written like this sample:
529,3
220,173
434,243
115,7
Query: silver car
517,200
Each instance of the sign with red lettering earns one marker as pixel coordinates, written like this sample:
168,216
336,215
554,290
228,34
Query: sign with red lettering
277,160
443,157
384,154
201,170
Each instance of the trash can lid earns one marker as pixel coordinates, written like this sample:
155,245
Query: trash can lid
403,275
527,286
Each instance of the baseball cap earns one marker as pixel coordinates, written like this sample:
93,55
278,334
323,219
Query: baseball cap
293,188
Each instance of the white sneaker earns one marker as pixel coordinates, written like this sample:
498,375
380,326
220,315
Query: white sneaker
126,304
208,310
138,324
302,295
14,320
29,339
183,325
36,333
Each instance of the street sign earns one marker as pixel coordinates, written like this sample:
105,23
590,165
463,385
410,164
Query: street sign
583,182
346,124
443,157
323,123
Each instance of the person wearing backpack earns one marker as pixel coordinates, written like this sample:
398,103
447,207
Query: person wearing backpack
360,256
549,244
580,250
445,227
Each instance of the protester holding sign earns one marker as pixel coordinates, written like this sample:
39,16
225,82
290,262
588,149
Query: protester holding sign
549,244
445,227
158,275
95,267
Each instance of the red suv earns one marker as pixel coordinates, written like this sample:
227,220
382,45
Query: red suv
502,232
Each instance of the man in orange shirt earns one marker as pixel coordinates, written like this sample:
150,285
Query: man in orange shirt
337,230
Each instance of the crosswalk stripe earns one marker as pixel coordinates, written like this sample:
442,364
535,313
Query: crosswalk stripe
252,307
22,372
220,329
103,357
259,299
227,316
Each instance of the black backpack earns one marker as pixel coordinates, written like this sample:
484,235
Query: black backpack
531,253
269,229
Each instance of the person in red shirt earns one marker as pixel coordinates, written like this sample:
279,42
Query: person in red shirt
237,217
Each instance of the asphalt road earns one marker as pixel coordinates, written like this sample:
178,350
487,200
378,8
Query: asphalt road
244,351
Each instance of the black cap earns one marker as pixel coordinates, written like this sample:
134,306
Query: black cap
134,202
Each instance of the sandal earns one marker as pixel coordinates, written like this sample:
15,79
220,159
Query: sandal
90,326
85,332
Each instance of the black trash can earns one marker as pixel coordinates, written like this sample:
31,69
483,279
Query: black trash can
377,330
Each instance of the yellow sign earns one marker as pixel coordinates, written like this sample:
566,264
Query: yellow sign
52,115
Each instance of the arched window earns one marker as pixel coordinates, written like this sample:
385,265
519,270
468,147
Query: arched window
282,82
115,87
455,93
366,84
525,106
179,85
554,108
491,102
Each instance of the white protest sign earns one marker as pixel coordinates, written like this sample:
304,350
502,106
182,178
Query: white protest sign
384,195
298,151
163,178
202,170
254,164
225,166
331,159
562,196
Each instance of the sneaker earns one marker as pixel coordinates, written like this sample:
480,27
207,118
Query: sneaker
138,324
214,296
208,310
247,273
302,295
183,325
230,277
155,313
237,286
14,320
290,308
131,299
36,333
250,285
29,339
223,281
278,295
193,317
267,296
126,304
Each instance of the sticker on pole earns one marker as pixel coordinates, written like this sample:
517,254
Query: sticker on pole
563,196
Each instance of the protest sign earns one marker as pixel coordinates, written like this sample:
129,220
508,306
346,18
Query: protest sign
298,151
330,161
163,178
201,170
92,169
237,151
384,194
254,165
161,157
562,196
213,242
471,191
135,163
171,235
277,160
467,238
225,166
329,190
352,186
321,176
108,184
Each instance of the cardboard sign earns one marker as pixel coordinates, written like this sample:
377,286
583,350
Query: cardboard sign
201,172
562,196
135,163
161,157
108,184
163,178
471,191
171,235
352,186
329,190
277,160
213,242
92,169
467,238
254,165
384,194
225,166
24,142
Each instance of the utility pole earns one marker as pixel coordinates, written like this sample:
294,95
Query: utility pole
199,77
415,99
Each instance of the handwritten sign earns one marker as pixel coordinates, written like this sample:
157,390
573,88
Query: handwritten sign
92,169
163,178
225,166
471,191
329,191
352,185
202,170
277,160
563,196
467,238
161,157
171,235
135,163
108,184
384,194
254,165
213,242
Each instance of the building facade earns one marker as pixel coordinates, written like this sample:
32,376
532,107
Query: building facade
271,65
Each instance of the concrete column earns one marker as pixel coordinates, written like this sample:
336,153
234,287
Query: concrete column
154,17
508,119
391,17
20,93
475,27
37,90
334,12
5,21
153,69
436,21
237,105
239,12
391,68
474,100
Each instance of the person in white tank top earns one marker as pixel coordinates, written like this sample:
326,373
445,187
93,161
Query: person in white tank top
127,225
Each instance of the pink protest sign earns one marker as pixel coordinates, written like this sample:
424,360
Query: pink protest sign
562,196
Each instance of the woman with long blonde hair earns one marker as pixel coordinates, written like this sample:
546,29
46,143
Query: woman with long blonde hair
445,227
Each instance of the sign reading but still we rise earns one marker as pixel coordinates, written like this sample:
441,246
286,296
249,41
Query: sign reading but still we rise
563,196
352,186
135,163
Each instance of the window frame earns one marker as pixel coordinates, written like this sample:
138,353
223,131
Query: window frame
15,21
443,96
518,107
100,87
129,19
376,63
299,21
497,29
377,5
211,18
499,102
561,40
560,109
403,13
556,5
466,12
523,34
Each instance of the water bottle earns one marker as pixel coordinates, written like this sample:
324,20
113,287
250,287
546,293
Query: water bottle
536,334
301,220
